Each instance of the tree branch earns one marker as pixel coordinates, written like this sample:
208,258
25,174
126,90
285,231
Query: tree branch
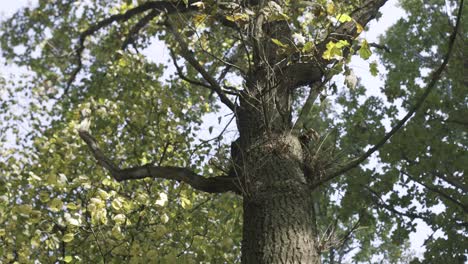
315,90
455,183
181,74
435,77
138,26
218,184
160,6
188,55
380,46
381,203
300,74
438,191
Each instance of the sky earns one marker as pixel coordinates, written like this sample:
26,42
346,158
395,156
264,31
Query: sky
391,13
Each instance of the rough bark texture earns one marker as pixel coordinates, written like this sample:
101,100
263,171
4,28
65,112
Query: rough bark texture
278,220
278,206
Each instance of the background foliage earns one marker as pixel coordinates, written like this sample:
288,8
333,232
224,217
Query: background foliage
56,203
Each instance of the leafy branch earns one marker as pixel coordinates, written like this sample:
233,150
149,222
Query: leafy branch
436,75
160,7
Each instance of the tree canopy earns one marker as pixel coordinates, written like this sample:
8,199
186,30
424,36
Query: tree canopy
106,155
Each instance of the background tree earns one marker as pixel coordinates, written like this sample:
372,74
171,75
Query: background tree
105,125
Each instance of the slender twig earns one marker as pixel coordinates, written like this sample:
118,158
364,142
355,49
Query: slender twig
189,56
181,74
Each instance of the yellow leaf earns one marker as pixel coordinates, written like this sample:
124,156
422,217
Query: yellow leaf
72,206
68,237
117,232
24,209
186,203
359,28
55,205
199,4
279,43
308,47
344,18
103,216
119,219
103,194
164,218
44,196
238,17
68,259
330,8
116,204
199,19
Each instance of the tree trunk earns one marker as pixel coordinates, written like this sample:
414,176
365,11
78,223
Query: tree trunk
278,218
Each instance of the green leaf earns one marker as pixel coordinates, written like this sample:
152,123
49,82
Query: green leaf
373,68
186,203
279,43
335,50
67,238
243,17
365,51
344,18
308,47
68,259
117,204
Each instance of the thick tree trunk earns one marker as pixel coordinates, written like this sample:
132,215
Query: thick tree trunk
278,218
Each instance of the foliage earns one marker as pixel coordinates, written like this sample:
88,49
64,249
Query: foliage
58,204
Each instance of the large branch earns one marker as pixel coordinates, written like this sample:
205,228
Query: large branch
218,184
189,56
300,74
315,89
362,15
430,86
167,7
138,26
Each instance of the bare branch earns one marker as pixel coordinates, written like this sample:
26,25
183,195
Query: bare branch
380,46
315,89
218,184
188,55
331,174
181,74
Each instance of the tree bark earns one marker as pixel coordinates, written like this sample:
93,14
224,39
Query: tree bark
278,219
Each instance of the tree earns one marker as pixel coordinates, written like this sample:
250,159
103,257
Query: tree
111,167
